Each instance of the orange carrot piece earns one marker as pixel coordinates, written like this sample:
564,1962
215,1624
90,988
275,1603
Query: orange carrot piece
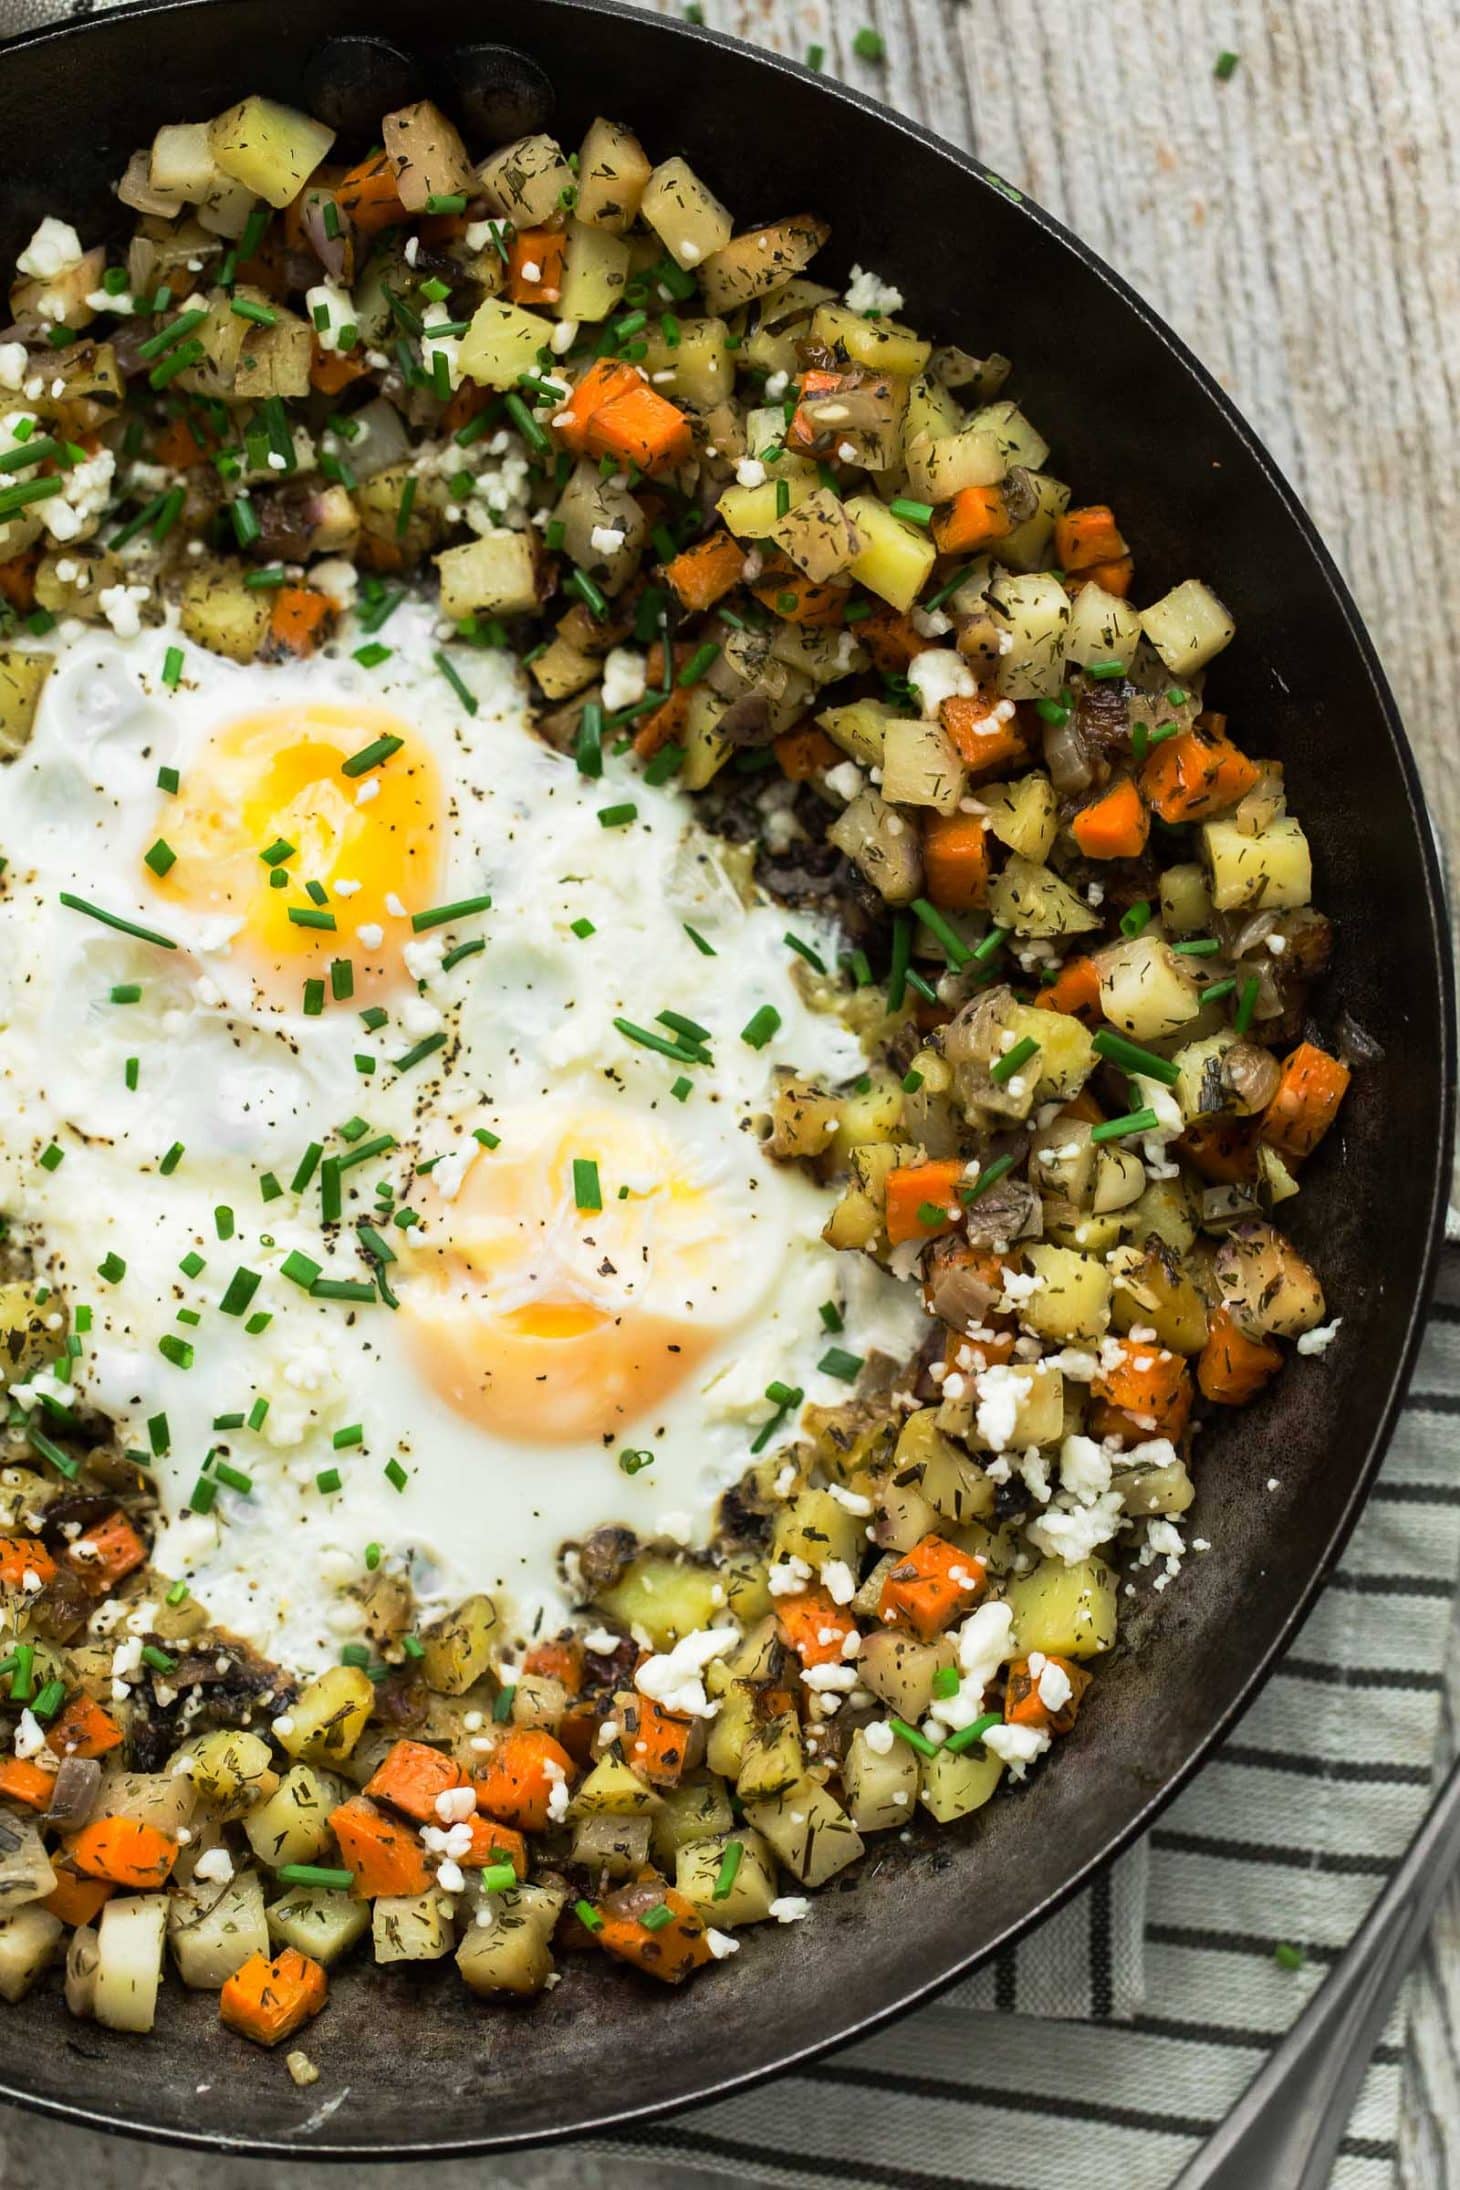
892,639
17,581
1150,1385
703,574
331,371
22,1781
76,1900
1223,1149
106,1553
915,1191
368,194
1116,578
298,618
560,1658
125,1852
1075,990
1232,1368
815,1626
268,2001
806,431
84,1729
605,378
1309,1093
956,861
640,426
797,599
411,1776
517,1779
22,1555
975,516
535,265
1196,774
662,725
806,752
1084,1107
1024,1706
1113,826
670,1952
470,398
493,1843
929,1586
655,1741
987,739
179,448
385,1856
1083,537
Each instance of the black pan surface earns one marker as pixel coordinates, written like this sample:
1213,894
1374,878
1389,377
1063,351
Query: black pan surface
1136,421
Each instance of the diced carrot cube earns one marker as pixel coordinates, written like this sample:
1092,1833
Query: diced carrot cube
930,1586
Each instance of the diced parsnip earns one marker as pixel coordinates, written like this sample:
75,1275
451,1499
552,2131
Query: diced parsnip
1062,1160
511,1954
869,1114
666,1597
882,345
700,1865
1152,1291
213,1929
327,1717
411,1927
458,1647
526,180
881,1785
921,766
1120,1180
1266,1283
883,845
1034,611
613,169
957,1783
1188,626
1164,1212
697,1809
696,371
1199,1088
1023,815
751,513
223,614
1186,902
1020,442
166,1800
292,1826
502,343
809,1830
1026,548
232,1771
895,558
823,655
900,1669
561,670
595,272
1071,1304
493,575
932,412
816,1527
1102,628
614,1789
1039,1417
271,149
181,161
1032,900
225,210
137,190
1146,990
618,1846
940,467
1067,1611
317,1922
819,535
28,1940
688,218
82,1960
427,154
274,360
954,1486
773,1758
22,678
705,750
130,1940
591,507
859,728
731,1730
1269,872
753,264
25,1868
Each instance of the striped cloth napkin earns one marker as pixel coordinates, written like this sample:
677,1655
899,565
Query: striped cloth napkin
1106,2046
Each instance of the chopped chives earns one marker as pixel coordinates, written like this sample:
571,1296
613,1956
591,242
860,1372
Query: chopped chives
160,857
729,1866
1200,946
582,929
342,980
699,662
1226,67
656,1918
371,756
1004,1069
177,331
363,1151
966,1736
171,1160
1137,919
761,1027
1119,1129
328,1877
836,1361
1216,990
587,1192
439,915
111,1268
311,916
426,1047
115,920
990,1175
706,950
1246,1004
341,1289
191,1263
912,1736
990,945
269,1187
681,1052
307,1164
177,1350
395,1475
453,678
955,950
331,1195
915,513
1132,1058
274,855
831,1316
300,1268
451,201
901,956
812,957
617,817
588,745
353,1435
681,1088
665,763
60,1461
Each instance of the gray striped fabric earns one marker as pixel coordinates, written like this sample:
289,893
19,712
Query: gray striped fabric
1168,1962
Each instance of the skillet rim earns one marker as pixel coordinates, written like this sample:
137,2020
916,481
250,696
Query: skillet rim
1440,967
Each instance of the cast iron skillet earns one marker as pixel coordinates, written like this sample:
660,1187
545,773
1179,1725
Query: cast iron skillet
1135,421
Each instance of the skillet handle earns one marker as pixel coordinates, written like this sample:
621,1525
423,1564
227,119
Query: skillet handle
1285,2130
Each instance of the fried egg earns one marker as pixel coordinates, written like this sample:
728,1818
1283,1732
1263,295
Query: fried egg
405,1140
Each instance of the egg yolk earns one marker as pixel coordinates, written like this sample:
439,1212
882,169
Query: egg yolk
549,1322
341,798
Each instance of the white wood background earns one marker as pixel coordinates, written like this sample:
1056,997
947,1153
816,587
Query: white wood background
1299,225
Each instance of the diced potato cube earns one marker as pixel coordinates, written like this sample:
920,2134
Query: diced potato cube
223,614
666,1597
502,343
1039,1412
816,1527
697,1809
130,1940
29,1938
317,1922
1034,611
427,154
697,371
271,149
705,750
526,180
1071,1305
327,1717
753,264
859,728
458,1647
595,272
1270,871
809,1830
940,466
752,513
881,1784
613,169
411,1927
921,766
1187,626
883,844
1026,548
233,1770
1033,900
700,1866
1020,442
1186,903
292,1826
1067,1611
493,575
1102,628
512,1954
689,219
957,1783
895,558
614,1789
22,677
214,1928
1023,814
1066,1050
1146,989
818,535
900,1669
882,345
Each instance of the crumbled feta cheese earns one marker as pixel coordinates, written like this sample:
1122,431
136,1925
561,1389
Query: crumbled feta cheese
879,1737
30,1736
1018,1746
122,607
214,1866
789,1908
1084,1468
557,1801
720,1943
53,248
940,673
846,779
1055,1685
455,1804
73,513
839,1582
788,1577
867,292
601,1641
1075,1532
329,308
606,539
625,677
1318,1341
673,1677
1001,1392
13,362
450,1876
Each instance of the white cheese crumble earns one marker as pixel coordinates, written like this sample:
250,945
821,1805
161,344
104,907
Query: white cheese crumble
867,292
53,248
940,673
674,1677
1318,1341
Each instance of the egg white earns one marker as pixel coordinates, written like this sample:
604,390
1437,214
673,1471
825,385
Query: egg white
244,1082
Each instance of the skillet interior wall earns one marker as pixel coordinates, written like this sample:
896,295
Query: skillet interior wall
427,2067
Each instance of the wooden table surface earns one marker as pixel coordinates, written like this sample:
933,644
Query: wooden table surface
1299,226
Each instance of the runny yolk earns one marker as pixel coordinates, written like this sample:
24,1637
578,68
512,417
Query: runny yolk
278,779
